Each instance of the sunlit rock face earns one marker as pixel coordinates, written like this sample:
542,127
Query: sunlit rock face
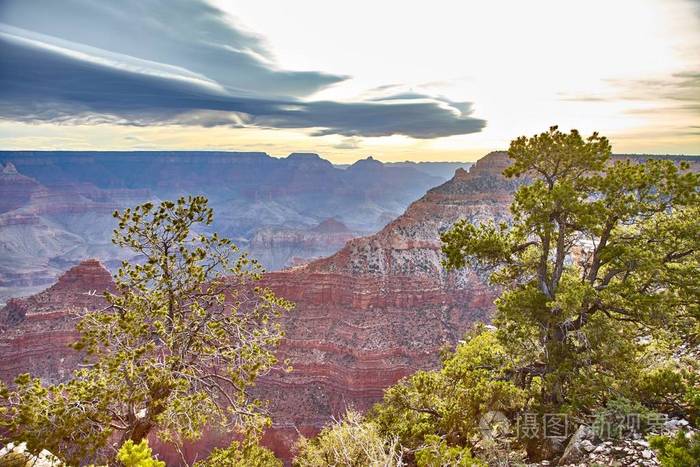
55,207
379,309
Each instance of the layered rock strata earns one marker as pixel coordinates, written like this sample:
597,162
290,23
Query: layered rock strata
376,311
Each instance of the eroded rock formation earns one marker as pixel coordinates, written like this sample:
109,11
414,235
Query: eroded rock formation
36,331
55,206
278,247
379,309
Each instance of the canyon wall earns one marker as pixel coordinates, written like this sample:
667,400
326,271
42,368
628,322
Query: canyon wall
380,308
56,206
375,311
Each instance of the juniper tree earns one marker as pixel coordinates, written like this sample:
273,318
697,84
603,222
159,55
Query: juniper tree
185,335
601,258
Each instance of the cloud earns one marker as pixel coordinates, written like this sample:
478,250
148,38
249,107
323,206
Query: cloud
43,80
677,93
420,119
190,34
682,86
133,138
348,143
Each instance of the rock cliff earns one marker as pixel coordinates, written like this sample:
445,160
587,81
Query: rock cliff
36,331
55,206
379,309
279,247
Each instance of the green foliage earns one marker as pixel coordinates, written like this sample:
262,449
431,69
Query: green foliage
450,402
59,418
678,451
436,453
620,417
247,453
600,258
137,455
351,442
671,387
185,335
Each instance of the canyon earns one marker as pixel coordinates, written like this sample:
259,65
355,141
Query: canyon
56,206
381,308
375,311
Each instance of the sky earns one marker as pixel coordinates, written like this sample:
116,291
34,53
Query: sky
398,80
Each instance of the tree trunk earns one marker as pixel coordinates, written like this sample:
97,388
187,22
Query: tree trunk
137,432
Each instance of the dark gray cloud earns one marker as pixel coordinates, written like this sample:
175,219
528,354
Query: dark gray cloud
152,62
38,83
190,34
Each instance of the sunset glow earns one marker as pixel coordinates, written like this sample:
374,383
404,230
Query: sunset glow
347,82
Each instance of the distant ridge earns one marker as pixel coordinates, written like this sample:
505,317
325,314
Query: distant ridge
375,311
55,206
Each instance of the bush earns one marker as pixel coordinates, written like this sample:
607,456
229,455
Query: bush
672,388
247,452
682,450
349,442
437,453
450,402
137,455
621,417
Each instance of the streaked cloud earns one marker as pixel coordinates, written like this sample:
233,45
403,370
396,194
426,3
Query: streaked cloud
152,62
191,35
348,143
677,93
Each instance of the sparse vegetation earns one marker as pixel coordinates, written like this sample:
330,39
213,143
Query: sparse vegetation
598,321
351,441
599,309
185,334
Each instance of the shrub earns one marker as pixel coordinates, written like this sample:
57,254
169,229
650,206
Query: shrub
247,453
137,455
349,442
450,402
682,450
436,453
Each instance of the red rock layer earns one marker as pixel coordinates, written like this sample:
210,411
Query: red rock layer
37,331
376,311
380,308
